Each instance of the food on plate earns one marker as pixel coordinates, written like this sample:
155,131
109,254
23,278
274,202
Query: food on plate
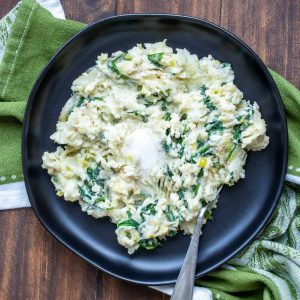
148,137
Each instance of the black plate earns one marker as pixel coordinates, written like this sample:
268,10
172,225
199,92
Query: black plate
243,210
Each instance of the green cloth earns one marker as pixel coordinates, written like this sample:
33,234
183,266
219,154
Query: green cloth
268,269
34,38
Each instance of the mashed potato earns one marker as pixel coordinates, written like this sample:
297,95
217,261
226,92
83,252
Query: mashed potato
149,136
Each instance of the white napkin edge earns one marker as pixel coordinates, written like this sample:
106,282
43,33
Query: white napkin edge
13,195
53,6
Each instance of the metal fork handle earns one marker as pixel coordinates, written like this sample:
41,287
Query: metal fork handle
185,283
184,287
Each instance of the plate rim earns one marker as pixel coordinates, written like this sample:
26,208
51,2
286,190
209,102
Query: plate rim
122,17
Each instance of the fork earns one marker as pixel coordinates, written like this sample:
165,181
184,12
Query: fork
184,287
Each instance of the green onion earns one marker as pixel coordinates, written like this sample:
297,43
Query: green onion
80,102
156,58
137,113
128,223
167,116
231,152
100,199
186,129
203,149
169,214
95,99
112,65
195,188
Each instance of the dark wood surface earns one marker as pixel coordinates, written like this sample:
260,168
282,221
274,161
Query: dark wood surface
35,266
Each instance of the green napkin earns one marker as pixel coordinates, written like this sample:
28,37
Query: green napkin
267,269
34,38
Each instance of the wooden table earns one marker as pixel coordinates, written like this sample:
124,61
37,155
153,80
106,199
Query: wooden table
33,265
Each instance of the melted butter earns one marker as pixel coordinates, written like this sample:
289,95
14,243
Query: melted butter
144,146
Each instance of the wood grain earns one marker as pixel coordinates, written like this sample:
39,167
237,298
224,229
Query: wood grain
271,29
6,6
33,265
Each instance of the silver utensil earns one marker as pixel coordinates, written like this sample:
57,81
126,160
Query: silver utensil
185,282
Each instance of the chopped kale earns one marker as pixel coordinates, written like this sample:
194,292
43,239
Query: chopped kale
169,172
237,132
142,99
192,158
167,116
93,176
203,89
86,192
203,202
195,188
225,65
209,104
112,65
139,114
149,209
186,129
169,214
179,140
164,106
238,129
55,179
149,244
166,147
183,117
180,194
180,151
215,126
200,174
172,233
200,144
156,58
208,216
